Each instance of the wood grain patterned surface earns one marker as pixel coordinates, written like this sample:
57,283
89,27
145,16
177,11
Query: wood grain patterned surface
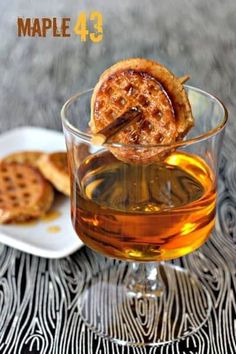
38,297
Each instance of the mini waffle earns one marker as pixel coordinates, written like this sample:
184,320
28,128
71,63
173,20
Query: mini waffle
27,157
160,95
55,169
24,193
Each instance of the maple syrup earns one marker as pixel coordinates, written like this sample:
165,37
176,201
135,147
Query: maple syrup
149,212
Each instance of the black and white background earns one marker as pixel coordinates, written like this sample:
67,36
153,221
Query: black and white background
37,296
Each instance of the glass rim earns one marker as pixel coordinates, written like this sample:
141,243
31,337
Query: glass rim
86,137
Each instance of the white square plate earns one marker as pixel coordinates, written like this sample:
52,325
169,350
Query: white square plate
35,237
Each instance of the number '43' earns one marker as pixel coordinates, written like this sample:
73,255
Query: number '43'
81,27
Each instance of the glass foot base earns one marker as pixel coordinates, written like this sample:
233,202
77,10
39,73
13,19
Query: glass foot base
113,308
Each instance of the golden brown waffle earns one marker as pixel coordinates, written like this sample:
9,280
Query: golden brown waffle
152,88
55,169
27,157
24,193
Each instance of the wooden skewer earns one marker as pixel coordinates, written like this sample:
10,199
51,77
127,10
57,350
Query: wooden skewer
183,79
118,124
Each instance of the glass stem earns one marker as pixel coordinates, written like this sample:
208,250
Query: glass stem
144,279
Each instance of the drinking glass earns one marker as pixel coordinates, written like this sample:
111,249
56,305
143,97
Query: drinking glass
142,215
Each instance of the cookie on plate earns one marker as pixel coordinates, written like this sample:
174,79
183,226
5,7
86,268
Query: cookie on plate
55,169
27,157
24,192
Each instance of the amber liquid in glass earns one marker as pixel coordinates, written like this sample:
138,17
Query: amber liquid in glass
149,212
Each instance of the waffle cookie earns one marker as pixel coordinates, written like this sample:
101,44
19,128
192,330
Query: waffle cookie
28,157
24,193
151,88
55,169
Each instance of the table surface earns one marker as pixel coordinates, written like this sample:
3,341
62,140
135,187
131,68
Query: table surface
38,297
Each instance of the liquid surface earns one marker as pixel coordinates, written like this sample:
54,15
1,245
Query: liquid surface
51,215
53,229
144,212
